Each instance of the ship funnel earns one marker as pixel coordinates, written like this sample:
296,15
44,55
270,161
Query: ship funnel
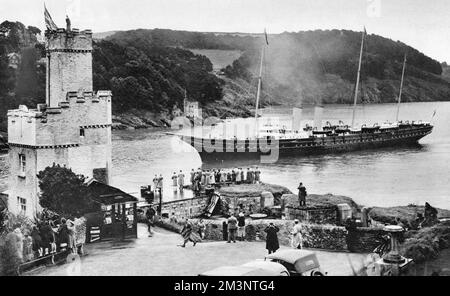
297,119
318,114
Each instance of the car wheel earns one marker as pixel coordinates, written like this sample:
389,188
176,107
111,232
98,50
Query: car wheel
317,273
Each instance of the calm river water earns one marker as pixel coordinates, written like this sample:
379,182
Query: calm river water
385,177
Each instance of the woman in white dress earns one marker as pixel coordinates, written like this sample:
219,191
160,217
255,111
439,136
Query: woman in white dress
297,239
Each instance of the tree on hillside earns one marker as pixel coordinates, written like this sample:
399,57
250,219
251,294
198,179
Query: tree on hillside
64,192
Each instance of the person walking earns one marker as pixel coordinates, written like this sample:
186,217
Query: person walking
272,244
302,195
241,226
189,234
201,228
297,238
232,228
150,215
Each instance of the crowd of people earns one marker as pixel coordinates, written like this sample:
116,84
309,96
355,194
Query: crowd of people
234,229
211,177
44,238
202,178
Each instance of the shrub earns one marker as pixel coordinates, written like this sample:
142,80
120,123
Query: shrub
426,243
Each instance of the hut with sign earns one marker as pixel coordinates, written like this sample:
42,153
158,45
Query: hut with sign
117,218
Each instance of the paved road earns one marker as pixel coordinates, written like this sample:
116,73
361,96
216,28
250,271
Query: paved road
161,255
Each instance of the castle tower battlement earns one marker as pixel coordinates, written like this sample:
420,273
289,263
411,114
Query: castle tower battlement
69,63
72,129
57,126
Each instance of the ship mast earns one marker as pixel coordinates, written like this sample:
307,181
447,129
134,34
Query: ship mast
358,77
258,93
401,89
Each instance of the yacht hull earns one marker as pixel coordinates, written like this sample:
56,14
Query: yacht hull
221,149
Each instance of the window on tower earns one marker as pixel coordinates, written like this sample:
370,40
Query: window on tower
22,163
21,204
81,132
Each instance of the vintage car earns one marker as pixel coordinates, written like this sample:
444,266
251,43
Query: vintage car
297,262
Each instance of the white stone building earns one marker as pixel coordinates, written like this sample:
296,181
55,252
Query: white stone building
73,128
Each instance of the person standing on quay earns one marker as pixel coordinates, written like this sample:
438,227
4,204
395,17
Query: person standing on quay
241,226
181,180
150,215
155,184
232,227
297,239
160,184
192,178
302,195
174,181
257,175
212,178
249,176
238,176
272,244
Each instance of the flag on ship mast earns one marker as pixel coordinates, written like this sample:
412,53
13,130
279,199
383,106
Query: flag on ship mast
267,39
49,23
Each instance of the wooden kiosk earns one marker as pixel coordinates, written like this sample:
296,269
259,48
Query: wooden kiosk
117,218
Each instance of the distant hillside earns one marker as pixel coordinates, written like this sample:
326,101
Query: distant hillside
321,66
446,71
220,58
103,35
22,77
315,66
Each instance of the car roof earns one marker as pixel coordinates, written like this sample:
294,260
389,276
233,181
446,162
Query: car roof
239,271
271,266
290,256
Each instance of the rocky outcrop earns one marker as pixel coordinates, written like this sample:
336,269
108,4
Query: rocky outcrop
253,190
406,214
137,119
319,201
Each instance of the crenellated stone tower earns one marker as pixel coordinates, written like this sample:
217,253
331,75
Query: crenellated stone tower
73,128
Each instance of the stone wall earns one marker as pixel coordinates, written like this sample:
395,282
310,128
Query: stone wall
186,208
314,236
251,204
364,239
324,215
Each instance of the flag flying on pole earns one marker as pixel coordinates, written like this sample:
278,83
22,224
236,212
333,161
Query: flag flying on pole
265,34
49,21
